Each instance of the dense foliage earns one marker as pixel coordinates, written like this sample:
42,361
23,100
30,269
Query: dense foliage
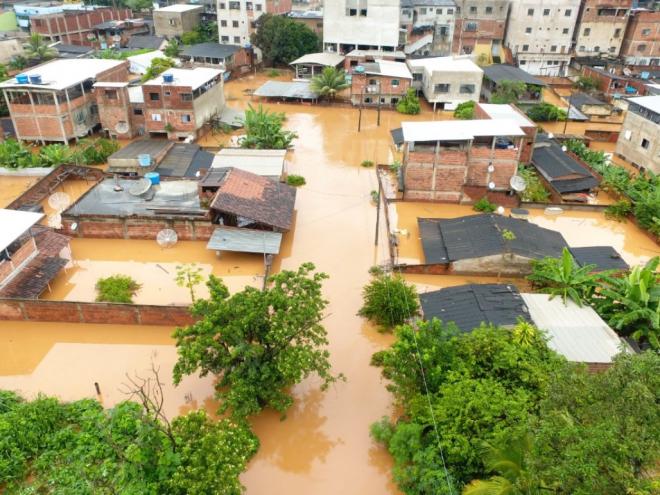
508,92
116,289
173,49
295,180
643,190
157,67
465,110
330,82
204,32
14,154
38,49
263,130
388,300
79,448
587,83
113,54
282,39
546,112
409,103
258,343
535,192
484,205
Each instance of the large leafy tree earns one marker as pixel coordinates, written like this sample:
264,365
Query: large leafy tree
508,91
264,130
330,82
37,48
282,39
158,66
258,343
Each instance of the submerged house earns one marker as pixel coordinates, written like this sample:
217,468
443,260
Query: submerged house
382,82
312,64
475,244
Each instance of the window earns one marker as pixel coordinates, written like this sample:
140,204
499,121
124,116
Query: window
553,48
167,93
596,48
352,12
367,99
248,5
617,32
154,96
441,88
111,94
568,13
422,11
473,10
581,48
530,12
417,76
564,31
156,117
438,11
223,6
137,111
235,5
258,7
612,49
185,118
234,24
395,83
471,26
186,96
373,82
223,24
466,89
586,32
645,143
237,39
489,10
394,101
641,48
528,30
646,32
224,39
522,62
450,11
525,48
546,11
172,22
363,12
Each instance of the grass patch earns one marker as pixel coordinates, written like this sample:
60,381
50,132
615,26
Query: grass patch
367,164
273,73
116,289
296,180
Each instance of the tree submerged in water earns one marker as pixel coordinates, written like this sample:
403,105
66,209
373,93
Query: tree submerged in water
264,130
330,82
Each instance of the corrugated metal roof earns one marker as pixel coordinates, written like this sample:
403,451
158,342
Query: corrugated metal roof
604,257
245,240
505,72
327,59
268,163
575,332
280,89
458,130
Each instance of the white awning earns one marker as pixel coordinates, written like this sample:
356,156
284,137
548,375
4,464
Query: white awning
14,223
458,130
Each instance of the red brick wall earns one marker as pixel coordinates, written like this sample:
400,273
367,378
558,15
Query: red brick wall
488,30
113,111
136,228
278,6
361,81
170,107
93,312
634,37
73,27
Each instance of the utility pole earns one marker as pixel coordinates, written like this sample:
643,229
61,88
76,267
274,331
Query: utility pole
568,112
379,99
380,193
360,109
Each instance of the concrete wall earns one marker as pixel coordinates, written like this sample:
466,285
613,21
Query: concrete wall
505,264
635,128
93,312
490,25
170,24
455,79
10,48
379,28
599,31
541,40
441,19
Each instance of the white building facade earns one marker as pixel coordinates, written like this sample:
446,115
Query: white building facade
360,24
236,18
540,33
429,18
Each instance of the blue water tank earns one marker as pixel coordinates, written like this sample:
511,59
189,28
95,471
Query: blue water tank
22,79
35,79
144,159
359,69
168,78
154,178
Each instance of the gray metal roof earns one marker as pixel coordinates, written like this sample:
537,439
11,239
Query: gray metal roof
280,89
184,160
155,42
232,117
506,72
210,50
604,257
140,147
446,240
579,99
245,240
562,171
470,305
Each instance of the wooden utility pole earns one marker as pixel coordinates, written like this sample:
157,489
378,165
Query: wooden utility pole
379,98
380,193
360,109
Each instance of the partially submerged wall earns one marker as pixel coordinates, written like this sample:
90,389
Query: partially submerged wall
101,227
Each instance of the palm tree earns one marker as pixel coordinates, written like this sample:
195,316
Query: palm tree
18,62
508,461
38,49
330,82
563,277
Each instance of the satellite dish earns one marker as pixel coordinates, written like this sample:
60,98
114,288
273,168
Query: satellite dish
491,168
121,127
500,210
627,71
553,210
140,187
55,221
491,185
59,201
517,183
166,238
74,226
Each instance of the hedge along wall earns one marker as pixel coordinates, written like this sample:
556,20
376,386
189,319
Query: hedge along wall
93,312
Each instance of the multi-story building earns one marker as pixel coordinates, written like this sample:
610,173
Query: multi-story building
25,11
77,27
601,27
360,24
174,20
641,42
480,22
540,35
446,81
380,83
236,18
177,103
429,25
313,19
55,101
639,139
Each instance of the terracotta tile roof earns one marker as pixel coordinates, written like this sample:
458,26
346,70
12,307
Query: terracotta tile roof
255,197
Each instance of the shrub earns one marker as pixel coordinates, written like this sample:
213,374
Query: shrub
484,205
535,192
619,210
388,300
409,104
546,112
117,289
97,152
465,111
395,166
587,83
367,164
374,196
295,180
274,73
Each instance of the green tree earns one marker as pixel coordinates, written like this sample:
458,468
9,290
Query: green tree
116,289
172,49
18,62
388,300
158,66
330,82
189,276
631,303
263,130
282,39
409,103
38,49
191,38
600,432
587,83
258,343
508,92
563,277
546,112
465,110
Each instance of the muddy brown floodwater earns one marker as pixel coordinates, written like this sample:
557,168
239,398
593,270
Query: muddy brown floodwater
12,187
